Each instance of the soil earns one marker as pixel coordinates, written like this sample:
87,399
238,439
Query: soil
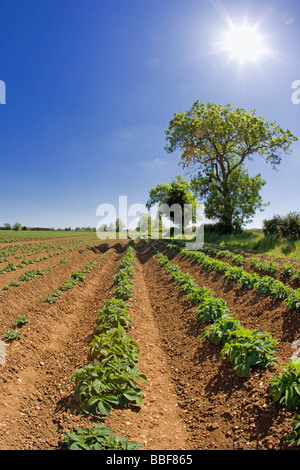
192,399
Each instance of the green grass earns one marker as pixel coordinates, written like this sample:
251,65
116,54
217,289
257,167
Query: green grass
254,241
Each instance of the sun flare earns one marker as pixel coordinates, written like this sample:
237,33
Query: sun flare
243,43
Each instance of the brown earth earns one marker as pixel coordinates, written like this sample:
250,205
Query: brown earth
192,398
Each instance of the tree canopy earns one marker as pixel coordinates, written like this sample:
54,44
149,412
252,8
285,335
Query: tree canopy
215,142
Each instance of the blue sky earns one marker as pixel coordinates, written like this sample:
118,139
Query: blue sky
91,86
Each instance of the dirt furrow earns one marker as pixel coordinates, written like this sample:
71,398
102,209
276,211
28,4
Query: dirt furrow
158,424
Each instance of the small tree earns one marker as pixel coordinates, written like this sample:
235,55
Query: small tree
103,228
120,226
17,226
144,224
178,192
111,227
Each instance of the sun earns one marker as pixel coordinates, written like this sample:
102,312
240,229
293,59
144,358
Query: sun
243,43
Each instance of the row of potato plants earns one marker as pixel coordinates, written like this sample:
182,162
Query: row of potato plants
284,387
271,268
268,267
266,285
241,346
76,276
235,257
21,250
112,377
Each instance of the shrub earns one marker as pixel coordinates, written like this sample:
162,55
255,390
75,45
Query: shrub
290,226
285,227
271,226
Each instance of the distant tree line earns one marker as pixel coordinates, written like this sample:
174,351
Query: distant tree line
17,227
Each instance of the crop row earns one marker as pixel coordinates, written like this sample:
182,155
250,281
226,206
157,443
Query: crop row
267,267
76,276
270,267
112,376
235,257
242,346
266,285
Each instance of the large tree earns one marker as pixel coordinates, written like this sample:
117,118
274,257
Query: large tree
215,142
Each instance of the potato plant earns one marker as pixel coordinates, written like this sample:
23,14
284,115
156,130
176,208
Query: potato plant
114,312
268,267
31,274
248,348
294,437
20,320
99,385
221,329
284,387
11,335
96,437
114,344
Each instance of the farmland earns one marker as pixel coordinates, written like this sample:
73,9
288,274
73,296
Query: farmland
64,299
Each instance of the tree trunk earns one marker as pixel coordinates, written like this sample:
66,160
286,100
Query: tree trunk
226,221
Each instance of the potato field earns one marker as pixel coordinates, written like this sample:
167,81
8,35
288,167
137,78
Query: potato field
169,349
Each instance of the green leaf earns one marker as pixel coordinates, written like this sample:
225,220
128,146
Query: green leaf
104,408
